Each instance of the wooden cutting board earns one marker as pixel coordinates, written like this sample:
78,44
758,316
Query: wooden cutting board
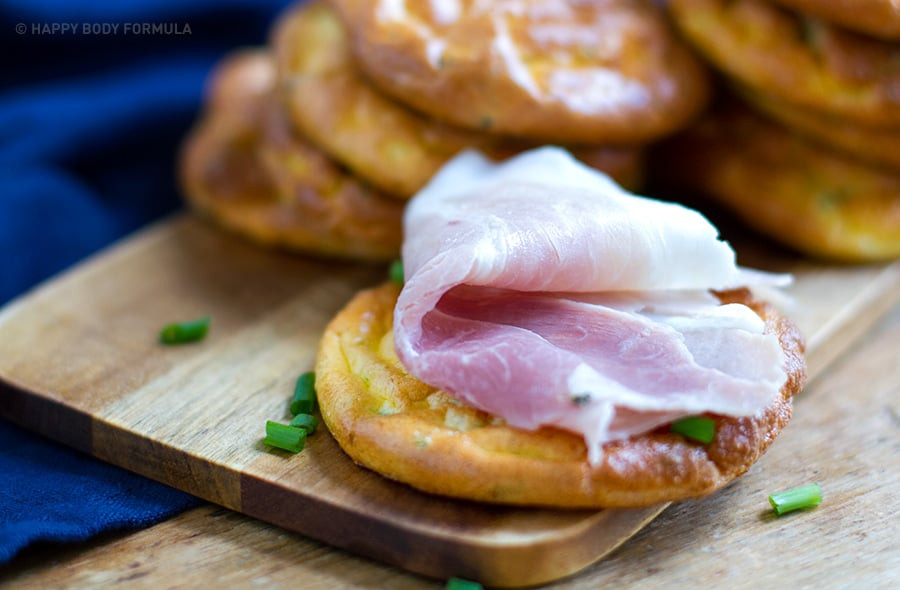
80,363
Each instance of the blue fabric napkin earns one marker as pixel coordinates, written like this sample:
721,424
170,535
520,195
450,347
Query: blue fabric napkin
95,98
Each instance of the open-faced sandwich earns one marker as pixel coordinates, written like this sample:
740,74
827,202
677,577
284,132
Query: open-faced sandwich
550,330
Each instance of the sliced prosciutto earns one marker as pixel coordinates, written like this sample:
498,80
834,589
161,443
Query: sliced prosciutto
539,291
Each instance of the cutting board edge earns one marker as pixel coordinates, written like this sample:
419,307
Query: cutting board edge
491,563
54,413
43,415
495,563
841,333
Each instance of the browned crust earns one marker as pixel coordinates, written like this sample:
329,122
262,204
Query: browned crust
566,58
874,145
395,148
803,195
390,422
879,18
799,60
244,167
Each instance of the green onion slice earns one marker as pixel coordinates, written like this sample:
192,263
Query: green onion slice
460,584
580,399
304,400
307,422
183,332
796,499
697,428
395,272
282,436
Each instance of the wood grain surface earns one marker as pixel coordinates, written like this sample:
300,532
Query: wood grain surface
81,364
845,435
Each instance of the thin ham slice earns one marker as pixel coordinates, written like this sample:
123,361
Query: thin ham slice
539,291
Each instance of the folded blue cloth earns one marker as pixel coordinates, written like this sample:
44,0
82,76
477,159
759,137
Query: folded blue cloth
51,493
91,117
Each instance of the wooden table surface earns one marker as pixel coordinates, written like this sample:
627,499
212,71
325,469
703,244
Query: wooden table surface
845,435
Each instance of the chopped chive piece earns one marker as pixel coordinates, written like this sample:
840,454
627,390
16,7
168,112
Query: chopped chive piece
696,428
285,437
307,422
796,499
395,272
579,399
183,332
304,400
460,584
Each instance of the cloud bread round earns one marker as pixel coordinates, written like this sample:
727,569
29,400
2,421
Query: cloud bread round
557,72
875,145
243,166
796,59
803,195
879,18
390,145
394,424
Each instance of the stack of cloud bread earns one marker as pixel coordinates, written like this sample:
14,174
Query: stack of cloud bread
805,147
316,142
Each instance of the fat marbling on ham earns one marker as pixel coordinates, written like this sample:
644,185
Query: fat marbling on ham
539,291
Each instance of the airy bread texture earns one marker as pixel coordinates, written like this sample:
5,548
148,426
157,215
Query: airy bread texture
245,167
874,145
557,72
394,424
878,18
799,60
383,141
804,195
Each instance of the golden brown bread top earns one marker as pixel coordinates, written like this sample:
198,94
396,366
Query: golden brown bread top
243,166
879,18
803,195
390,422
395,148
398,150
561,72
796,59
